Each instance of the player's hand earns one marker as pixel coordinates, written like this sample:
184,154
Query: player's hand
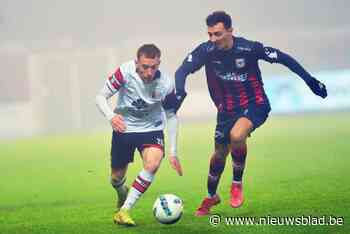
317,87
118,123
175,164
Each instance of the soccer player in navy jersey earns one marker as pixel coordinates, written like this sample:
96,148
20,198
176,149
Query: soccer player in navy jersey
236,88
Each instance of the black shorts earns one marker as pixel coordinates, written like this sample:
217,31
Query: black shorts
225,121
124,145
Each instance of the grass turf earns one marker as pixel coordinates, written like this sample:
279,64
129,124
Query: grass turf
297,165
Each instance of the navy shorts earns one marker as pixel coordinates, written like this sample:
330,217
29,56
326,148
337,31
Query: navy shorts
124,145
226,120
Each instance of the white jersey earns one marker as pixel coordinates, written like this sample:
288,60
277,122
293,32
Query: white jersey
138,102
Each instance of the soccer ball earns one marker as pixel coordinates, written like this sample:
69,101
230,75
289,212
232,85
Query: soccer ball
167,209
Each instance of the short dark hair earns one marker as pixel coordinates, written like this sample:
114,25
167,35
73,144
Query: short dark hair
217,17
149,51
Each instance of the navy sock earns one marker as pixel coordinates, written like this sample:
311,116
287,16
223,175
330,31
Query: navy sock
239,155
217,166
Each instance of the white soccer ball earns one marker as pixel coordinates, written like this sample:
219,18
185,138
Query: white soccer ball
168,208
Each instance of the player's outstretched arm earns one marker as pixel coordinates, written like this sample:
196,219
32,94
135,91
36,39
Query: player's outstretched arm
180,81
192,63
172,126
273,55
317,87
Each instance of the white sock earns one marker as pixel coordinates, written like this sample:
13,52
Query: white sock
140,185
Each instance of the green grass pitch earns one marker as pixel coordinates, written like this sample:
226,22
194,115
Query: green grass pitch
297,165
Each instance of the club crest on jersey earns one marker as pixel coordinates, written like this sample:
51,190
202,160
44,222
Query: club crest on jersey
240,62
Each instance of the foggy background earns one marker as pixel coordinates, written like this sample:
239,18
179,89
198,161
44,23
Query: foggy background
56,55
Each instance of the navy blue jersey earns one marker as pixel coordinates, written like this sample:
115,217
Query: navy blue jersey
233,76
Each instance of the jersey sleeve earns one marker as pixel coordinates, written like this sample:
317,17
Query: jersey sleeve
196,59
192,63
172,126
273,55
169,100
169,105
268,54
116,80
111,87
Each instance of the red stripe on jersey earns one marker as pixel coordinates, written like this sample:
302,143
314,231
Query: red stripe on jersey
117,79
229,99
259,93
216,92
113,82
138,187
243,97
229,102
118,74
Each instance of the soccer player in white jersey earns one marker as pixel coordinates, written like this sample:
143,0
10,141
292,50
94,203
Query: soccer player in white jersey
145,99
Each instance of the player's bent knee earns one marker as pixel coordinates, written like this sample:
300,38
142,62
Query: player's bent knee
237,137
